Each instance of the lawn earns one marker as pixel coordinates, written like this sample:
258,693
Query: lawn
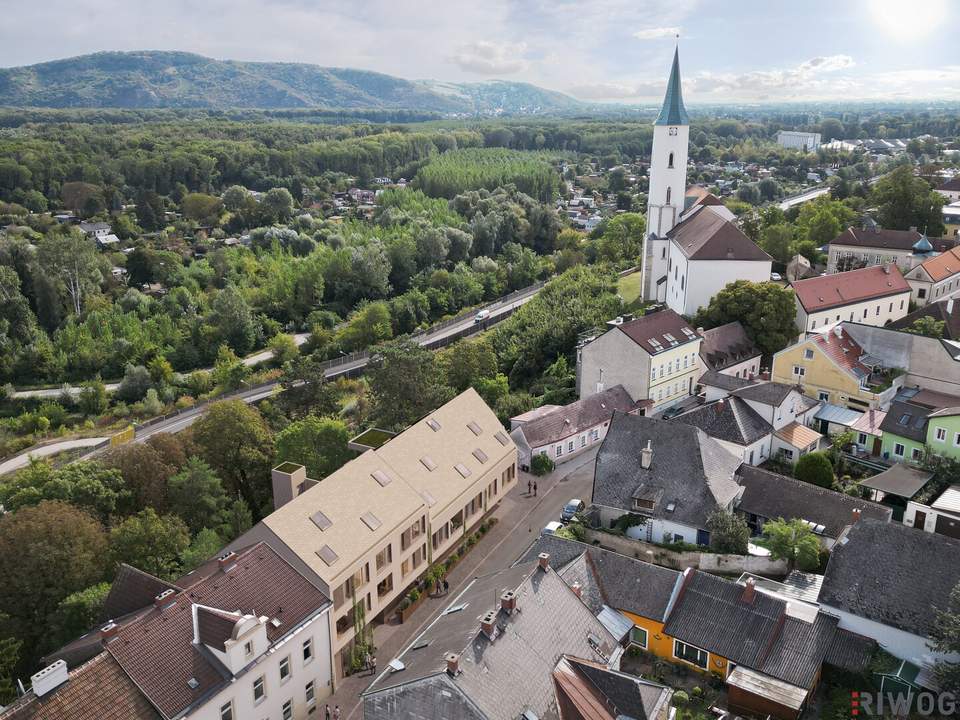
628,287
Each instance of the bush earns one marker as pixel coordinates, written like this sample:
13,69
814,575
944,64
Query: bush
697,691
815,468
414,595
541,465
405,603
680,698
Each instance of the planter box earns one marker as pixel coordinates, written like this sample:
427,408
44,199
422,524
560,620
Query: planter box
405,613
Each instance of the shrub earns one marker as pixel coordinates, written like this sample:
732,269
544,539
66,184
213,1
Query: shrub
405,603
414,595
697,691
541,465
680,698
815,468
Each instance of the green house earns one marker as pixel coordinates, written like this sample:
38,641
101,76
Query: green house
943,432
904,432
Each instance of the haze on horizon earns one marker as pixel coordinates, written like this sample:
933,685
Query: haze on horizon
599,50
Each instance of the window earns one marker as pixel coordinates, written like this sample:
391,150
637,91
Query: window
916,454
799,371
653,373
823,396
384,557
941,434
901,304
808,354
638,637
669,193
787,453
288,710
285,669
898,449
559,450
583,441
865,312
956,440
259,690
307,650
248,649
226,711
921,293
877,313
690,654
309,693
862,439
670,161
594,435
570,447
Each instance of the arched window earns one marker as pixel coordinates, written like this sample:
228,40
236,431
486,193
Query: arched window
670,161
668,195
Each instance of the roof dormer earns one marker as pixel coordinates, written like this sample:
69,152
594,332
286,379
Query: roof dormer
233,638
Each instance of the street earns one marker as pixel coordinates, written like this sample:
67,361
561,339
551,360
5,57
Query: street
521,517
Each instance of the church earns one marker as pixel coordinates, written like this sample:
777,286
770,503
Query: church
692,248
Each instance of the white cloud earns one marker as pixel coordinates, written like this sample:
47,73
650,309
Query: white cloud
489,58
603,91
656,33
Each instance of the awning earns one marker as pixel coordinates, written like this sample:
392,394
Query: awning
837,415
900,480
764,686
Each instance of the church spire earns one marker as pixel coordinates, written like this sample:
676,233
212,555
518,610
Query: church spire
673,112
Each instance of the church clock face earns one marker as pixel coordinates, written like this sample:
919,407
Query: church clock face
673,131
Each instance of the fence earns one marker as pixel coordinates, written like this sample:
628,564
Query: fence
709,562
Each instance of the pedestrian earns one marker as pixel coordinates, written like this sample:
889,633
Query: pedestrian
336,713
528,487
439,586
446,586
326,713
534,488
373,665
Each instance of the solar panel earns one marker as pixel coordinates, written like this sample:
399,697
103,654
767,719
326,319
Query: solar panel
321,520
327,554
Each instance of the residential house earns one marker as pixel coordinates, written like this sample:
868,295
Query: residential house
589,690
936,278
883,581
908,433
706,253
951,189
788,412
242,637
872,245
769,496
950,215
874,295
654,357
727,349
832,367
943,431
95,229
672,475
368,531
938,513
492,652
104,242
897,486
563,433
867,433
946,311
735,425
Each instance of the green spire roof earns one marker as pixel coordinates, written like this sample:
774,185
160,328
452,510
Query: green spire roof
673,112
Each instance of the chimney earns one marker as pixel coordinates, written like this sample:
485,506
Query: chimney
544,559
164,599
488,624
749,591
577,589
508,601
700,331
838,331
227,561
50,678
108,632
855,516
287,479
453,664
646,456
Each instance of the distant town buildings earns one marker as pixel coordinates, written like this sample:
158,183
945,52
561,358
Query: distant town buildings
796,140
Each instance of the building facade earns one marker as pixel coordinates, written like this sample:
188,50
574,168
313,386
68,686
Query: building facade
807,142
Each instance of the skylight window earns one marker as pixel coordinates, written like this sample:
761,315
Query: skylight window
462,469
429,499
371,520
480,455
502,438
688,332
904,419
321,520
671,338
433,424
327,554
428,463
474,428
381,477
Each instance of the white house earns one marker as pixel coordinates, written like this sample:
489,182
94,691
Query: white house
858,247
936,278
951,189
940,516
727,349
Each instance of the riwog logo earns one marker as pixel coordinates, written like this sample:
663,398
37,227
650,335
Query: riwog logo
900,704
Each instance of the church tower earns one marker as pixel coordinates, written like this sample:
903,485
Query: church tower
667,181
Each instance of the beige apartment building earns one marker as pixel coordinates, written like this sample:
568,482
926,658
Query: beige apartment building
368,531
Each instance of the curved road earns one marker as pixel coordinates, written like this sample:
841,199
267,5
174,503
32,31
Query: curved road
22,460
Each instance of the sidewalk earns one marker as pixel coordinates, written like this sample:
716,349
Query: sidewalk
504,542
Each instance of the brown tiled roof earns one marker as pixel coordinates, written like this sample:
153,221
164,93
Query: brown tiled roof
98,690
707,236
828,291
884,239
132,590
710,199
935,400
215,627
157,650
727,345
843,350
656,326
951,185
576,417
942,266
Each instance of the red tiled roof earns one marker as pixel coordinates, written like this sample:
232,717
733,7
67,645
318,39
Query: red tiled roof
98,690
828,291
157,650
953,184
882,238
943,266
707,236
656,326
843,350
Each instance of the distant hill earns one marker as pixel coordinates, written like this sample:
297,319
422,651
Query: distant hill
155,79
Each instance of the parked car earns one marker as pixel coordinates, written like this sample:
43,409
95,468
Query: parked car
551,527
776,277
571,508
481,316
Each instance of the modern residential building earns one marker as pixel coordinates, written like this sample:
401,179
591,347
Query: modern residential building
727,349
242,637
673,475
808,142
492,652
884,580
875,295
832,367
95,229
368,531
564,432
872,245
945,311
769,496
654,357
936,278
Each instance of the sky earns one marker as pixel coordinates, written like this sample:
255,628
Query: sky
594,50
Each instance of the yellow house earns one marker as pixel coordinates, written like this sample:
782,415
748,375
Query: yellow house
832,367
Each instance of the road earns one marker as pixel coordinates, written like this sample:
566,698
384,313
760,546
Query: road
521,517
22,460
812,194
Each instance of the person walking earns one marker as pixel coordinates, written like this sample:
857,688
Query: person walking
326,713
529,487
373,665
446,586
336,713
534,488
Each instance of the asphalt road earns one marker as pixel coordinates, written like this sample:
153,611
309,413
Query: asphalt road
21,460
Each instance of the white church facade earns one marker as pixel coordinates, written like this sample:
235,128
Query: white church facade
692,248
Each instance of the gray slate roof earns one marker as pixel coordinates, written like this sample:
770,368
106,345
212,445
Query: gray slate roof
705,235
575,417
608,578
724,382
906,420
772,496
689,469
550,622
729,419
892,574
628,696
849,651
767,393
727,345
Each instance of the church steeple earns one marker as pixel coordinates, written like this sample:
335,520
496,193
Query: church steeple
673,112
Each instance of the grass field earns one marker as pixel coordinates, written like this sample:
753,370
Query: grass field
628,287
